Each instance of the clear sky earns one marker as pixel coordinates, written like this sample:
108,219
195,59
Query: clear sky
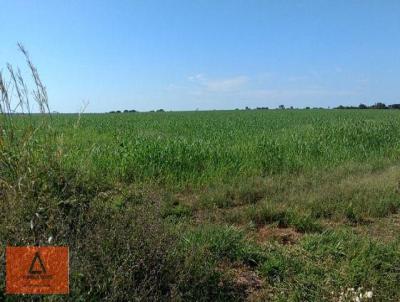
207,54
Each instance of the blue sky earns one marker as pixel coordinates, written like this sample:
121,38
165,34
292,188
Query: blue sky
216,54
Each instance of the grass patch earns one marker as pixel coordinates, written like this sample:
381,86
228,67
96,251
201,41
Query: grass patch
272,213
230,195
327,266
224,243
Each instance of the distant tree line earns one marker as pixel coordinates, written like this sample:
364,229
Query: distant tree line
125,111
378,105
133,111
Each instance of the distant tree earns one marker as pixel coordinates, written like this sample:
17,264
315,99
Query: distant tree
247,108
160,110
126,111
379,105
394,106
281,107
291,107
307,107
362,106
118,111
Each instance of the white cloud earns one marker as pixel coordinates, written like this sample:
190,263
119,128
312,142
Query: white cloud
197,77
260,90
231,84
227,85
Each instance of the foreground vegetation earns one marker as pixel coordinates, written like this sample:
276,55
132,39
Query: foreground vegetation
298,205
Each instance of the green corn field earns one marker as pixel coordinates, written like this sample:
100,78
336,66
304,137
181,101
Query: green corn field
201,148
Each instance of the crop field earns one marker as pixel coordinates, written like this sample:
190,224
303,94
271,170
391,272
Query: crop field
243,205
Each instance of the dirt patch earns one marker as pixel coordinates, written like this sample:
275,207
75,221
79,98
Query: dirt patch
282,235
246,278
243,276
